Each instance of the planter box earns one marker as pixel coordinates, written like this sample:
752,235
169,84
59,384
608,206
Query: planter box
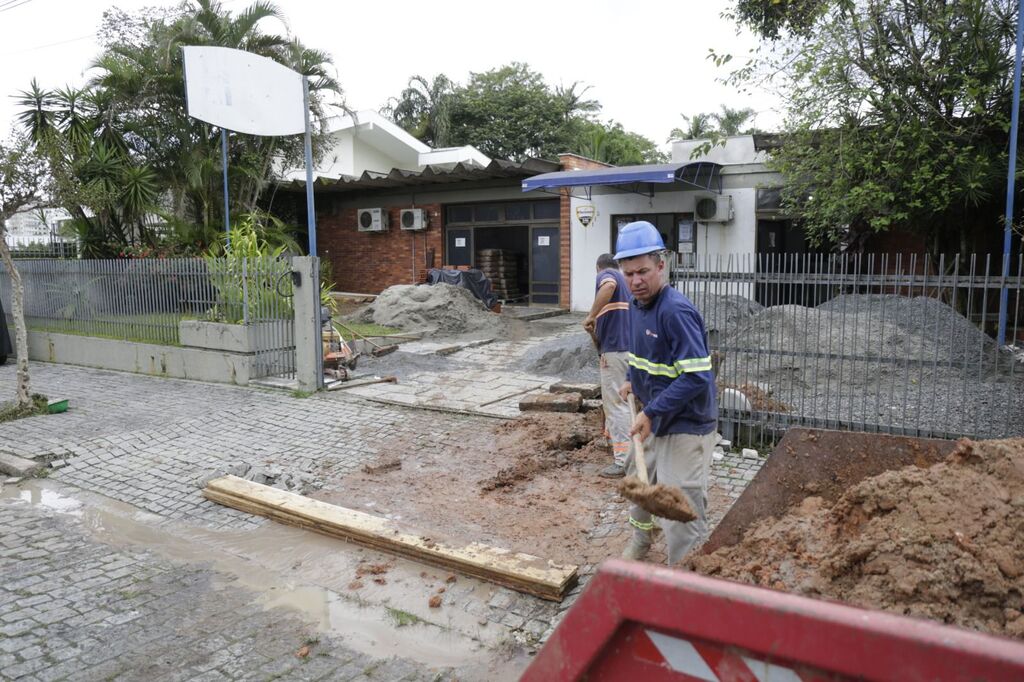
237,338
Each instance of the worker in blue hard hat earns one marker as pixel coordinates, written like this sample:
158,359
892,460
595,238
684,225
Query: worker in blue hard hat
670,374
608,323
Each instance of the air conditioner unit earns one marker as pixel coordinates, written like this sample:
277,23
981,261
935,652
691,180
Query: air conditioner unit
372,219
713,209
414,219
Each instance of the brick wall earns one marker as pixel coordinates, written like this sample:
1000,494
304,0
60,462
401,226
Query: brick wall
368,262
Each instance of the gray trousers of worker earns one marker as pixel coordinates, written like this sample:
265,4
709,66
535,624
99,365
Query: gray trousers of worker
617,419
684,461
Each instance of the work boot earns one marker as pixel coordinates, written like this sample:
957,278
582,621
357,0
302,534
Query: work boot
613,471
638,547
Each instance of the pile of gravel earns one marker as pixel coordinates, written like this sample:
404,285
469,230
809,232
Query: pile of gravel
908,362
573,358
723,313
443,308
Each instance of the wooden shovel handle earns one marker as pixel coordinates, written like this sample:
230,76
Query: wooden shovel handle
638,446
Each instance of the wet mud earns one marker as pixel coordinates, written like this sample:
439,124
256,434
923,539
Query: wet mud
944,542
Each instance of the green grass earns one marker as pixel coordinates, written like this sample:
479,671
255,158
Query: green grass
403,618
160,328
11,411
301,394
366,329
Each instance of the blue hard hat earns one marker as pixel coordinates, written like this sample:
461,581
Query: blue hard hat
636,239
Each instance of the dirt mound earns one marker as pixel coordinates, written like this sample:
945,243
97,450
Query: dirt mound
444,308
546,442
571,357
944,542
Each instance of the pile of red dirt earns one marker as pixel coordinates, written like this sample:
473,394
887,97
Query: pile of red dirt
944,542
528,485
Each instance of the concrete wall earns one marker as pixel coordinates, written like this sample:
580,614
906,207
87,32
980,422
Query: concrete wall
141,358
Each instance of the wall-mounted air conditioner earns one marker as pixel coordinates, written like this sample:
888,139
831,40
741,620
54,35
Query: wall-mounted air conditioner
414,219
713,208
372,219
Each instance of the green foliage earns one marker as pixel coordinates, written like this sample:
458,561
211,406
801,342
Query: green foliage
898,112
127,159
511,113
611,143
241,270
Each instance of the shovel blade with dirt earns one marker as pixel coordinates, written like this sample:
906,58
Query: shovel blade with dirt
664,501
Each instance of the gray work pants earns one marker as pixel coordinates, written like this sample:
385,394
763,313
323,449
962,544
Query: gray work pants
617,419
684,461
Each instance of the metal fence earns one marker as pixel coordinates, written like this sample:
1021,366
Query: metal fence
144,300
899,344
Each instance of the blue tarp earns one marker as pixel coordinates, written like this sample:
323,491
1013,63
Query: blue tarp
702,174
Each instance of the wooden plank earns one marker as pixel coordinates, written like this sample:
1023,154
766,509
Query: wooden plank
522,572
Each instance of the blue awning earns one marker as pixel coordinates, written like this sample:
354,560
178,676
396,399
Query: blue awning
696,174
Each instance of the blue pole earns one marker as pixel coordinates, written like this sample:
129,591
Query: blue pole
1011,177
310,212
224,167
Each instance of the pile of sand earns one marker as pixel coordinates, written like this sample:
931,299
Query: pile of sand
572,357
442,308
944,542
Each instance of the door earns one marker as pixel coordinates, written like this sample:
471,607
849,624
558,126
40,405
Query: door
545,265
458,247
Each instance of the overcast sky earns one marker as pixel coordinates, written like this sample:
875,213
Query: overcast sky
646,61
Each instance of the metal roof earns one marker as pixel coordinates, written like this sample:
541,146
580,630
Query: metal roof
430,175
698,174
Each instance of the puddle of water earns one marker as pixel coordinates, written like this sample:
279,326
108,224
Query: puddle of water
298,570
50,499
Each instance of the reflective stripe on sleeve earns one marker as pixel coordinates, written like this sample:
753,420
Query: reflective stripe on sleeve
613,306
670,371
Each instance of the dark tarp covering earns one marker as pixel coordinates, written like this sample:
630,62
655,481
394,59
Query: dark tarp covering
6,349
473,280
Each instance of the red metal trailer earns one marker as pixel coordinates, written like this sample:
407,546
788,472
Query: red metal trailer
638,621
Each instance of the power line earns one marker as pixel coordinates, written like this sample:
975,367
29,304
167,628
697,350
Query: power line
9,6
42,47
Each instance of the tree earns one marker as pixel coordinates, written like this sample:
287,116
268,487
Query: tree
123,149
424,109
698,127
897,112
613,144
22,184
716,125
511,113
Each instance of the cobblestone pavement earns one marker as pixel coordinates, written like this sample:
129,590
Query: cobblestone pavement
77,603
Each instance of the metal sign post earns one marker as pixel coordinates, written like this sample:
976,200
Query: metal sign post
1011,177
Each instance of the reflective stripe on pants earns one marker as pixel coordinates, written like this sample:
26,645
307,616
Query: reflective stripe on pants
684,461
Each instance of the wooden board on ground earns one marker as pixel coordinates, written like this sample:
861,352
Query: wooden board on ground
521,572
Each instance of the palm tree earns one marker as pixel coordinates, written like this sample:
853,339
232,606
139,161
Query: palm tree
424,109
731,121
698,127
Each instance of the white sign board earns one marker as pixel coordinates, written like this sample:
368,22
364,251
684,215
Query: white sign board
543,241
460,242
243,92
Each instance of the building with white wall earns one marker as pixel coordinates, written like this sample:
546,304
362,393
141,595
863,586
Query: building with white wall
741,206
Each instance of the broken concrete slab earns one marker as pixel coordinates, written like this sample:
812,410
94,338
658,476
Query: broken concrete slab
551,402
12,465
587,391
591,405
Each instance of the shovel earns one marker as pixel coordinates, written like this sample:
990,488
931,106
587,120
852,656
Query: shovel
660,500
